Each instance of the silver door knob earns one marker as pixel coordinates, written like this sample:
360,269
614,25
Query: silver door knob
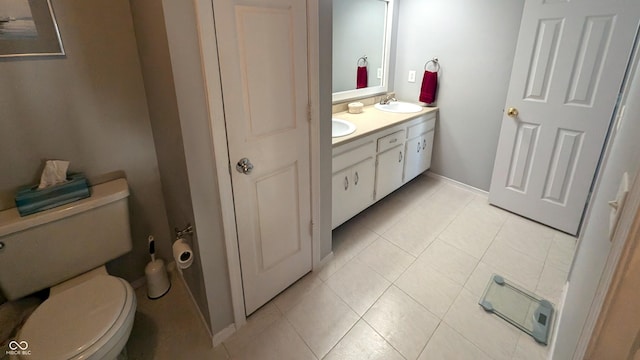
244,166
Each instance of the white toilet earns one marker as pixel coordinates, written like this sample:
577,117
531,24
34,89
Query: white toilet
89,313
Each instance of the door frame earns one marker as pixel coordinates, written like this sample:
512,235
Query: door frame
213,88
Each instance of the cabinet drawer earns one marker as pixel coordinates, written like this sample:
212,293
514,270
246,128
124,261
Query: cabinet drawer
353,156
390,140
421,128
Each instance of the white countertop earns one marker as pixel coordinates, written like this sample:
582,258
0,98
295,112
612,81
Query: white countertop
371,120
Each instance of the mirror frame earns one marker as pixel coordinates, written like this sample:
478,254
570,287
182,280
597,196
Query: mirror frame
342,96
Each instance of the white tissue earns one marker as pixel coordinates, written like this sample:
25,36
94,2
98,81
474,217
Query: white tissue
182,253
55,172
355,107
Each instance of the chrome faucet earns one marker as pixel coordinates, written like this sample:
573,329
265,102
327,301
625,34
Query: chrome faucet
387,100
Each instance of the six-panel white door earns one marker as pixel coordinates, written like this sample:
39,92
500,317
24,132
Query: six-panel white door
263,65
569,65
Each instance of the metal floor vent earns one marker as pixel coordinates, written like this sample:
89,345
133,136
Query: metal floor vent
519,307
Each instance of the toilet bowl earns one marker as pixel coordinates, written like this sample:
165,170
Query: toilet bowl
89,320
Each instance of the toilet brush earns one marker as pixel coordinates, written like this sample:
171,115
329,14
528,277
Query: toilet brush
157,279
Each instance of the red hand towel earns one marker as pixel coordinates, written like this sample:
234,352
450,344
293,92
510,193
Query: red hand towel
361,80
429,87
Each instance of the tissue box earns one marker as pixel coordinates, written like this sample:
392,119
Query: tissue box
30,200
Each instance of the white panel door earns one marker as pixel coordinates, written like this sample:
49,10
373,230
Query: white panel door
263,64
569,65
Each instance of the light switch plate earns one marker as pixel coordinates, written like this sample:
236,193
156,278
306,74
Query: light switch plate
412,76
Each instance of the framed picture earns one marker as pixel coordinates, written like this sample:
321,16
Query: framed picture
28,28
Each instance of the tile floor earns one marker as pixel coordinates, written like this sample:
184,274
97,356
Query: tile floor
403,283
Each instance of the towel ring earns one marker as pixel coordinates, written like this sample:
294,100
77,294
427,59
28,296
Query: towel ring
435,62
364,61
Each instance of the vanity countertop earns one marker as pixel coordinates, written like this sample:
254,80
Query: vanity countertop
371,120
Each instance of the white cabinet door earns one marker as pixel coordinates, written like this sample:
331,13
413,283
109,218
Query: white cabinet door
389,171
340,200
413,162
363,176
352,191
418,155
427,150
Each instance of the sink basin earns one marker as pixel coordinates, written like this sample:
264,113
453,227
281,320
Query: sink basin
341,127
399,107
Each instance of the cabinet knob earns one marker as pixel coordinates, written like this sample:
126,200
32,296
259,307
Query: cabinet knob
424,144
346,183
418,147
400,159
355,182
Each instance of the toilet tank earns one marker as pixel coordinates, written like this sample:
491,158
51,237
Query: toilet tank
41,250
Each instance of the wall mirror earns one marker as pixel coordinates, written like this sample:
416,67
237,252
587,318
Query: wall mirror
361,43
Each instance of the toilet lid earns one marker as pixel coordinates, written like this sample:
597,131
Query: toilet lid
68,323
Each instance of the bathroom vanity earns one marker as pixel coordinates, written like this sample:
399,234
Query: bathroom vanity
386,151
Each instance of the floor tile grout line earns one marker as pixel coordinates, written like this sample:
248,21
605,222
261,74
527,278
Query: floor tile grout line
476,345
526,254
354,310
300,336
439,186
430,337
343,335
456,215
494,238
382,336
419,303
521,252
392,244
469,340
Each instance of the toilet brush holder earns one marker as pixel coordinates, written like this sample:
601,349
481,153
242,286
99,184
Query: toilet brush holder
157,278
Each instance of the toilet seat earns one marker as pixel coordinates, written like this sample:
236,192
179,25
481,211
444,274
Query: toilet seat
78,320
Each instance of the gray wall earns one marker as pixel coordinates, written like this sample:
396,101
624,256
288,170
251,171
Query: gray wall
193,110
594,245
153,48
475,42
359,30
87,107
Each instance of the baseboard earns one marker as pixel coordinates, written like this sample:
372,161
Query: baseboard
457,183
223,334
172,267
324,261
554,335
